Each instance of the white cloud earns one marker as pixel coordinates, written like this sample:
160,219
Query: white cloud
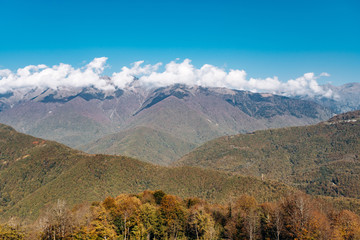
305,85
324,74
126,76
64,75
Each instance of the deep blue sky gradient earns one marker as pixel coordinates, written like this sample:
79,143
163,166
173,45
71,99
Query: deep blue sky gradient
285,38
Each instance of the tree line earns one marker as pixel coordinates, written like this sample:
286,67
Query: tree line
156,215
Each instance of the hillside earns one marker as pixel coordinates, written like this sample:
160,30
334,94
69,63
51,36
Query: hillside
143,143
191,115
320,159
35,172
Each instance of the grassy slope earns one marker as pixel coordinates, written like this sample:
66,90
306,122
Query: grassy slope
144,143
321,159
35,172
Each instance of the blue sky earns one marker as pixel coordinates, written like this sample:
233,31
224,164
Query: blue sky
265,38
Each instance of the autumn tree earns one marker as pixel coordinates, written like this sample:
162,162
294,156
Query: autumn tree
101,226
10,233
245,218
277,219
304,219
200,224
173,217
298,216
159,195
347,226
126,216
56,223
267,221
297,213
148,197
148,217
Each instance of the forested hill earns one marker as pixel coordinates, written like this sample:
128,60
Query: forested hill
36,172
39,178
320,159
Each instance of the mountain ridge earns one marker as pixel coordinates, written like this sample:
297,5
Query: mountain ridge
78,117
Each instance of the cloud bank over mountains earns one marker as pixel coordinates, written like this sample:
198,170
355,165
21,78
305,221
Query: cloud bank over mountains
66,76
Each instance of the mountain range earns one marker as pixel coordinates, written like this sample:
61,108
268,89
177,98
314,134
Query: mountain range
165,123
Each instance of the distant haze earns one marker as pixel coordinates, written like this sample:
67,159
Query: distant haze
157,75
